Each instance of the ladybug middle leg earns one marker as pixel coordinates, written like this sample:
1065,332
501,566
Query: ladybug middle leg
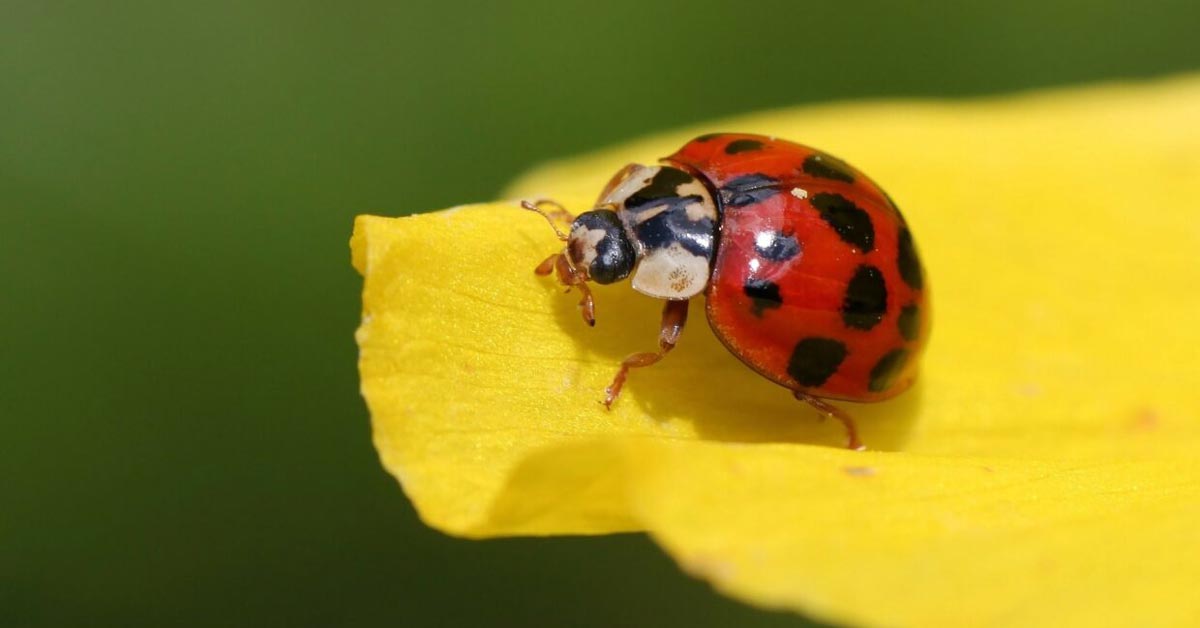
674,317
852,441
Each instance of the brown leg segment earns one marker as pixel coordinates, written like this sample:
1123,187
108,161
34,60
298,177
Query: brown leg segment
572,278
674,317
547,265
852,441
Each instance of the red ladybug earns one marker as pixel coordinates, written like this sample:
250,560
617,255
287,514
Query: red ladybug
810,272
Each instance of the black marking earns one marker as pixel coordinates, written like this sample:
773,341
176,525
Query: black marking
814,360
742,146
866,299
779,248
851,222
673,225
663,187
748,189
906,259
909,322
886,368
764,295
708,137
827,167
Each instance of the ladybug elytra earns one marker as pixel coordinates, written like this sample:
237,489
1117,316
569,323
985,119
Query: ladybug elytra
809,271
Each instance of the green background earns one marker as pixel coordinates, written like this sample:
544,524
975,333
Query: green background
183,442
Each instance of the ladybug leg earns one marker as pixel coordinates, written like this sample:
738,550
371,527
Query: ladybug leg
673,319
852,441
547,265
572,278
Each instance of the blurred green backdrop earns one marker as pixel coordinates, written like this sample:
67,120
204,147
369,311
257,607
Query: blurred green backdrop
183,441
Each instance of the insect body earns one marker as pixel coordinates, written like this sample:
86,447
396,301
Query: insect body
810,273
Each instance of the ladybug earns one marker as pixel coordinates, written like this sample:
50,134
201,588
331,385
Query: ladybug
810,273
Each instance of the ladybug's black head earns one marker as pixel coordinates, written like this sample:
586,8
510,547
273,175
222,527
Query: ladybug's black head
599,246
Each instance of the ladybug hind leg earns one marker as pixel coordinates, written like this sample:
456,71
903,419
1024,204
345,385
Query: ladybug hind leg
674,317
826,409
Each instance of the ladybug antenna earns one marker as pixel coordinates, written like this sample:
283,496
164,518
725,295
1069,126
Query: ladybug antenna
557,211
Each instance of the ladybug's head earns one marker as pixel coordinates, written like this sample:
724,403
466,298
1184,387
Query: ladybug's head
599,247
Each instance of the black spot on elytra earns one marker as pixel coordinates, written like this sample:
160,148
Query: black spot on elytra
775,246
763,294
851,222
814,360
664,186
708,137
748,189
906,259
866,298
742,146
885,370
909,322
827,167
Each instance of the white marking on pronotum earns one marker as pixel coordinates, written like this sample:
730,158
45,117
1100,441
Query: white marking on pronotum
698,211
800,193
702,209
671,273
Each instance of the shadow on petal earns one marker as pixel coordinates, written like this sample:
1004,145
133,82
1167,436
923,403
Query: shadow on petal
704,385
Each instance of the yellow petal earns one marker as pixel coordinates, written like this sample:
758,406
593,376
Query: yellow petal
1043,472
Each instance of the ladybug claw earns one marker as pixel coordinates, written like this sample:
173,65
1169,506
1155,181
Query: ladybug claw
587,307
825,410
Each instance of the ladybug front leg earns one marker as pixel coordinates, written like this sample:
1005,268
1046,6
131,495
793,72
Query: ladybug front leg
571,278
826,409
673,319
